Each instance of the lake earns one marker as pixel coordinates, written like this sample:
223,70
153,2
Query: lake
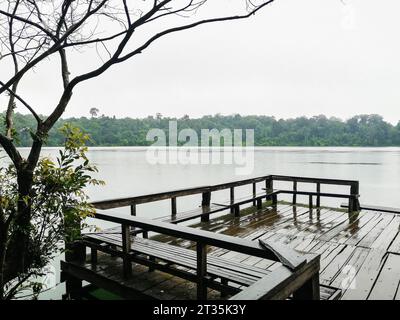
127,171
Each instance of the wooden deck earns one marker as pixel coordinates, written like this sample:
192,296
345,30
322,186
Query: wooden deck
360,252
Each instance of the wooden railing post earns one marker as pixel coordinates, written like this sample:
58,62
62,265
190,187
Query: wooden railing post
310,202
254,194
133,209
201,250
309,291
232,197
133,213
294,194
173,208
206,199
259,203
354,204
126,248
205,203
269,186
75,251
318,196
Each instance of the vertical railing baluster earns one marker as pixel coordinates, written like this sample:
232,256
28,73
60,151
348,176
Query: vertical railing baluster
269,186
254,194
205,203
318,196
232,197
295,190
133,213
93,255
173,208
354,204
133,209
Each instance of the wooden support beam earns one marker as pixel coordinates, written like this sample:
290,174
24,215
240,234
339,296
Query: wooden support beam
310,202
269,186
309,291
206,199
224,282
275,199
73,287
133,213
126,248
318,196
354,204
236,210
201,250
93,255
351,205
259,203
205,217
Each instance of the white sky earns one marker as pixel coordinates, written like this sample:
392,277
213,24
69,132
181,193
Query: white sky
294,58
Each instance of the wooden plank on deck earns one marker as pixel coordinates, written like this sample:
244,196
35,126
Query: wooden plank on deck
388,280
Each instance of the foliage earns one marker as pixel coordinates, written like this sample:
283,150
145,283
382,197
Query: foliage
360,130
58,202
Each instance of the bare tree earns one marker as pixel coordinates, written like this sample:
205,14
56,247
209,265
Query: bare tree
34,31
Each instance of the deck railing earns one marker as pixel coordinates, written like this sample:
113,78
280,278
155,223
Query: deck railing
298,274
270,194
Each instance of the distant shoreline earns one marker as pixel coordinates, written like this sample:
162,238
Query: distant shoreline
319,131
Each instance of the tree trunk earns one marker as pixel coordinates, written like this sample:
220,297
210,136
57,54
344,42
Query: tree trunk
3,241
18,257
16,248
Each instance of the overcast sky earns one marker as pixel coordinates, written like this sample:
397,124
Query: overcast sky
294,58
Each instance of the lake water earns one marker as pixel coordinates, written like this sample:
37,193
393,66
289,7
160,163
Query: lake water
127,171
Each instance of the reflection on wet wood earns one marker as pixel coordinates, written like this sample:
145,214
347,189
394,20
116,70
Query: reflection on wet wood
360,252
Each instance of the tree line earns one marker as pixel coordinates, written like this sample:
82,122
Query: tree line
360,130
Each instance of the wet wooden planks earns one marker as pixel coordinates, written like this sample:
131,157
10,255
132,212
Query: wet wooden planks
387,284
359,252
354,248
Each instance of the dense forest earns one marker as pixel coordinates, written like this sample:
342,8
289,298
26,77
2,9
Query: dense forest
360,130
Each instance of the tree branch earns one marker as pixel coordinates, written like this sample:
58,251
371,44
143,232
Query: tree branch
11,150
190,26
11,92
54,48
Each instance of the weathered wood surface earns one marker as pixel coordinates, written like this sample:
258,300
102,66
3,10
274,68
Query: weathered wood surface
302,271
359,251
353,248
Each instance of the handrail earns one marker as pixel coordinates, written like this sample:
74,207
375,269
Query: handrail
314,180
290,258
292,261
124,202
128,201
321,194
200,236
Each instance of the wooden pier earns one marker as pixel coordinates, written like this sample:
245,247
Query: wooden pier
249,247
